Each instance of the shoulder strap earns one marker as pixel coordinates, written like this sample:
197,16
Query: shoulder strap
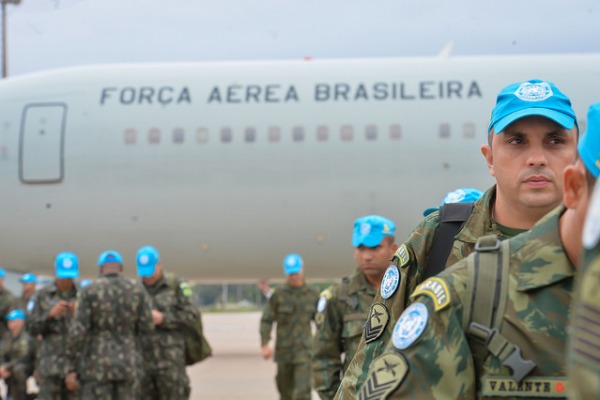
484,311
452,218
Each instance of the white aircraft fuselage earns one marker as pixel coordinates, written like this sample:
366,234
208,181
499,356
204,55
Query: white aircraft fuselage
227,167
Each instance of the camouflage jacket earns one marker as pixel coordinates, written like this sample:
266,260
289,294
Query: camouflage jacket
164,348
411,260
292,308
341,315
6,305
584,346
18,353
54,331
430,356
23,303
112,313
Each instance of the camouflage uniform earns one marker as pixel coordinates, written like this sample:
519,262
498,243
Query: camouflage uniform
292,308
7,301
52,347
437,360
113,313
584,353
339,328
24,303
164,357
17,355
411,260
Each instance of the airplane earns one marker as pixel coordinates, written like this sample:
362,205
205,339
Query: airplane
226,167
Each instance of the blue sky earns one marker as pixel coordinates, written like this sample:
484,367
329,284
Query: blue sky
45,34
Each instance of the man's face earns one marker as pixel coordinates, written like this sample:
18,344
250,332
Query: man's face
527,160
15,326
151,280
373,261
296,280
28,288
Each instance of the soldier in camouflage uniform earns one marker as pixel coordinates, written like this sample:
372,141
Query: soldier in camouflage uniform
343,307
532,137
164,358
292,306
50,320
584,341
112,315
16,356
26,301
435,349
6,303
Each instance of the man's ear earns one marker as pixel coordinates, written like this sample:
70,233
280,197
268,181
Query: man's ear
486,151
573,185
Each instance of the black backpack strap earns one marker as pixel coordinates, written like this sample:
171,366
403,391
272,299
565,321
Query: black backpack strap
452,218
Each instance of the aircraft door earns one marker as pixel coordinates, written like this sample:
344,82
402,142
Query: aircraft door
42,143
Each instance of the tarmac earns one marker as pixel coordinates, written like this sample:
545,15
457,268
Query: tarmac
236,369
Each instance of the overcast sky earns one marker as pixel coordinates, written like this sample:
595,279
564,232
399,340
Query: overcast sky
45,34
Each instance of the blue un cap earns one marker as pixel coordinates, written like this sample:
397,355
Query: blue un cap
370,230
109,256
66,265
462,195
2,273
28,278
534,97
15,314
589,145
147,258
292,264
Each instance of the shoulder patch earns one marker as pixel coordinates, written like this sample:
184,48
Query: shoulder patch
437,290
30,305
327,294
390,282
385,375
321,304
378,319
403,255
410,326
186,289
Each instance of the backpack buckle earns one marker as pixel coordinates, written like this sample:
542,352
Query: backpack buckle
487,243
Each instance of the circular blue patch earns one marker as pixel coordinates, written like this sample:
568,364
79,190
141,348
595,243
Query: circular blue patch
410,326
321,304
390,281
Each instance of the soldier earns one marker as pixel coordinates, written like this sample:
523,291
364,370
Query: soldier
26,301
112,314
343,307
50,319
532,137
172,309
292,306
16,356
468,336
584,342
6,303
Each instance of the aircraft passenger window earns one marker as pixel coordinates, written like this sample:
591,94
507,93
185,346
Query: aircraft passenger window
469,130
274,134
395,132
444,131
130,136
178,135
202,135
346,132
154,136
322,133
226,135
250,135
298,133
371,132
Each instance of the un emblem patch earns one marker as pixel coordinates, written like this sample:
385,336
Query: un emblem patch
390,281
376,322
385,375
410,326
534,91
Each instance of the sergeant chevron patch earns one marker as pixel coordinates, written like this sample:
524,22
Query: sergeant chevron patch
385,375
377,321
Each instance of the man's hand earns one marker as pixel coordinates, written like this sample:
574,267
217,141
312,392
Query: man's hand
71,381
59,309
157,317
267,352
